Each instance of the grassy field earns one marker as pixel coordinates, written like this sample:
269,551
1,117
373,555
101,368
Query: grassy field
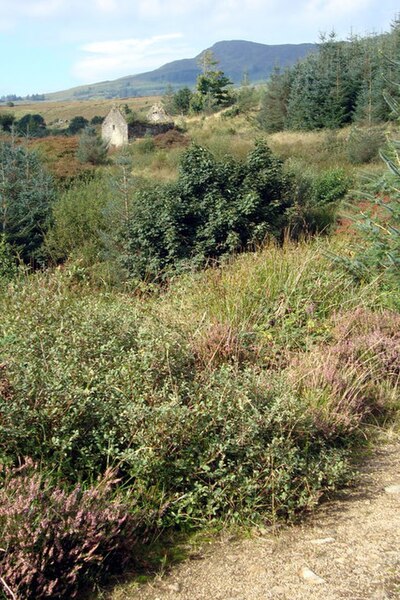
52,112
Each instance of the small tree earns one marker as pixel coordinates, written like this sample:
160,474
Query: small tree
77,124
97,120
92,149
26,195
6,121
32,125
181,101
211,85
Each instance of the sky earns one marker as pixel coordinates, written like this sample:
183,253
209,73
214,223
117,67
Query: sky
51,45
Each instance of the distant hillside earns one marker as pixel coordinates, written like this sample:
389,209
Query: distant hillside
235,58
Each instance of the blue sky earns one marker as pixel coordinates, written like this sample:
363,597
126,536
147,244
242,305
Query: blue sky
48,45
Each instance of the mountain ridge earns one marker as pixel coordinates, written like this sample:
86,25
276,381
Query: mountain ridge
235,58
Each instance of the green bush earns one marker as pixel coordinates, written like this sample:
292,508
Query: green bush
91,148
146,145
363,145
76,125
8,267
102,384
31,125
214,209
27,193
79,221
318,194
236,395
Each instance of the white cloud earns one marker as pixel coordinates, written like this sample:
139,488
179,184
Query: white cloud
157,8
107,6
320,9
117,58
44,8
28,8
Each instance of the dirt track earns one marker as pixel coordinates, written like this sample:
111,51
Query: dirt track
351,543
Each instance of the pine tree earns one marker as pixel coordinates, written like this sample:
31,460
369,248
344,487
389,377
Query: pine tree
273,112
91,147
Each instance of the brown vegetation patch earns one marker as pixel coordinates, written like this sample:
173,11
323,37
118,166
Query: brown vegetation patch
5,386
59,154
217,344
171,139
347,223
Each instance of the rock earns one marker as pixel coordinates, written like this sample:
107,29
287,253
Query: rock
175,587
321,541
392,489
311,577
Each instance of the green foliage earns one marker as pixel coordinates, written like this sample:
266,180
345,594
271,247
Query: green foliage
92,149
344,82
8,268
27,193
32,125
380,225
363,145
215,208
77,124
130,116
146,145
78,221
273,111
96,120
330,186
6,121
178,103
236,395
318,194
246,99
211,87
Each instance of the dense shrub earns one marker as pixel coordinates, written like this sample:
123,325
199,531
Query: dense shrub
77,124
236,395
54,541
8,268
78,221
73,391
91,148
27,193
215,208
97,120
6,121
31,125
318,194
363,145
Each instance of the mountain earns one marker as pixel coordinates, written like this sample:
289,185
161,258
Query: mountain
235,58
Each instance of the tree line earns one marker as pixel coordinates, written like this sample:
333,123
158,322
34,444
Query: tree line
345,82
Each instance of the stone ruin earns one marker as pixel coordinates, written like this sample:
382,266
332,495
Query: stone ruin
114,130
157,114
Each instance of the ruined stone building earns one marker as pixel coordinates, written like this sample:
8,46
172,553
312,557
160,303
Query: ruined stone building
114,130
157,114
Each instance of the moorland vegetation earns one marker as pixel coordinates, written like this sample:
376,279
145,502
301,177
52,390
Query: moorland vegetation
198,333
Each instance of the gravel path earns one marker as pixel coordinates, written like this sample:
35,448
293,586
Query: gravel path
350,548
